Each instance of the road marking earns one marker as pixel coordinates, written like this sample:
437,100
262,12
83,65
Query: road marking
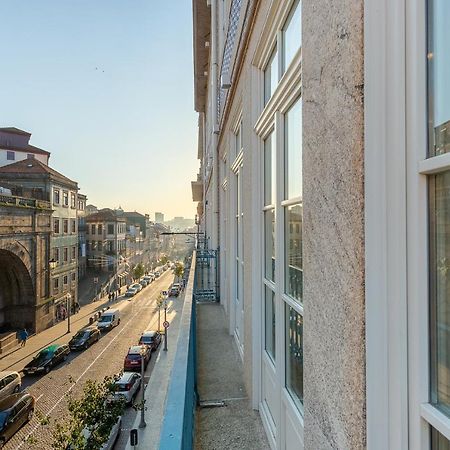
33,430
39,397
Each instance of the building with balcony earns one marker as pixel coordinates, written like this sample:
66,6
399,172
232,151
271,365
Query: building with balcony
323,132
82,255
15,146
31,177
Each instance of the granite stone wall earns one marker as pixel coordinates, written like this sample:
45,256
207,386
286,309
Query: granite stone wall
333,183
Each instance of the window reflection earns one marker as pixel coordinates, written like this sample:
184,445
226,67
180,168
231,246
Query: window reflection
269,170
292,35
269,311
294,354
271,76
440,301
439,442
439,76
293,251
293,151
269,244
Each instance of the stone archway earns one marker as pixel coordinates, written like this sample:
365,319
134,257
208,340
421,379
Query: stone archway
17,296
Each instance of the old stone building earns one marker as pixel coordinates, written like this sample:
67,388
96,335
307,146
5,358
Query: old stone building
25,300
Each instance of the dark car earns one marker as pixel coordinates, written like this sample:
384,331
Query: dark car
84,338
15,411
46,359
150,338
133,359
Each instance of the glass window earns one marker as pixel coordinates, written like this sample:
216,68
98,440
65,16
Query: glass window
110,228
293,252
294,354
65,198
440,290
65,280
292,36
65,225
56,194
74,252
100,228
269,170
93,229
439,442
56,226
293,151
66,254
74,226
10,156
269,311
438,76
56,254
30,156
271,76
56,283
72,200
269,244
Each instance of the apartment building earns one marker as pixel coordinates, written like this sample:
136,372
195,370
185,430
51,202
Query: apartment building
82,254
323,185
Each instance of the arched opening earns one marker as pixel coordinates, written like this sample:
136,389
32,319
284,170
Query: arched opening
17,298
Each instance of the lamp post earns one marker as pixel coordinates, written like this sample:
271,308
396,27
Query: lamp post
165,328
69,308
142,423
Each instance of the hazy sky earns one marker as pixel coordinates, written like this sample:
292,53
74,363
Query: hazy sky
107,87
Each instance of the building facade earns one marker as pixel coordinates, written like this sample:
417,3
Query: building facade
323,147
33,178
82,255
159,217
15,146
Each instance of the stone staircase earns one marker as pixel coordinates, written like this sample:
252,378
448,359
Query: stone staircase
8,341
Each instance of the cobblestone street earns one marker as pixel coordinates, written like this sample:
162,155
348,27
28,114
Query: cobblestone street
102,359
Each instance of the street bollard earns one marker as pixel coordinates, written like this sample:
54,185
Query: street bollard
142,424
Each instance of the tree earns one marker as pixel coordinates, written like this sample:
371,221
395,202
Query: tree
138,271
91,417
178,270
164,259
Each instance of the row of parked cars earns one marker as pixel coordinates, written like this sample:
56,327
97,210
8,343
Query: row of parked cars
16,407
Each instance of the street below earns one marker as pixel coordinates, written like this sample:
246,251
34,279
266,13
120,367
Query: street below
102,359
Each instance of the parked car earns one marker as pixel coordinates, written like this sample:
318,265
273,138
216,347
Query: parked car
46,359
143,282
131,292
108,320
15,411
175,290
10,383
157,274
151,338
127,386
148,279
137,286
84,338
133,359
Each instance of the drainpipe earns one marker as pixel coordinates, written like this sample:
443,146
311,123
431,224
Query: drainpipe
214,112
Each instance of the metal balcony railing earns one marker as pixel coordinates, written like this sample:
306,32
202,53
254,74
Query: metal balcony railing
24,202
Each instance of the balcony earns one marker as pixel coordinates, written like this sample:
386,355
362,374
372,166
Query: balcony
8,200
199,383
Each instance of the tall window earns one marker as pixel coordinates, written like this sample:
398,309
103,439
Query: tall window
439,211
271,76
293,201
292,36
65,254
65,198
56,224
65,225
93,229
56,196
73,200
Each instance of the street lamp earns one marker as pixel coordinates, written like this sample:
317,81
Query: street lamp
52,264
165,328
69,308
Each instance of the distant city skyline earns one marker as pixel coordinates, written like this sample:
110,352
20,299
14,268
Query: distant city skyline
93,84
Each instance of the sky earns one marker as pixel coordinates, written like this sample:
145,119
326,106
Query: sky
107,87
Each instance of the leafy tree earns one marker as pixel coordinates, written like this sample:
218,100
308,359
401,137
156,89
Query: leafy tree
138,271
91,417
178,270
164,259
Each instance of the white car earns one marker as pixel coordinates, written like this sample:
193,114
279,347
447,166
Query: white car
127,386
131,292
10,383
147,278
136,286
108,320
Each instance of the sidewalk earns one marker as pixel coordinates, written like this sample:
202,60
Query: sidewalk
156,390
86,287
15,360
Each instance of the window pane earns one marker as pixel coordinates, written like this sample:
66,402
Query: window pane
269,244
270,322
271,76
294,354
292,36
293,252
293,151
439,75
269,170
439,442
440,285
